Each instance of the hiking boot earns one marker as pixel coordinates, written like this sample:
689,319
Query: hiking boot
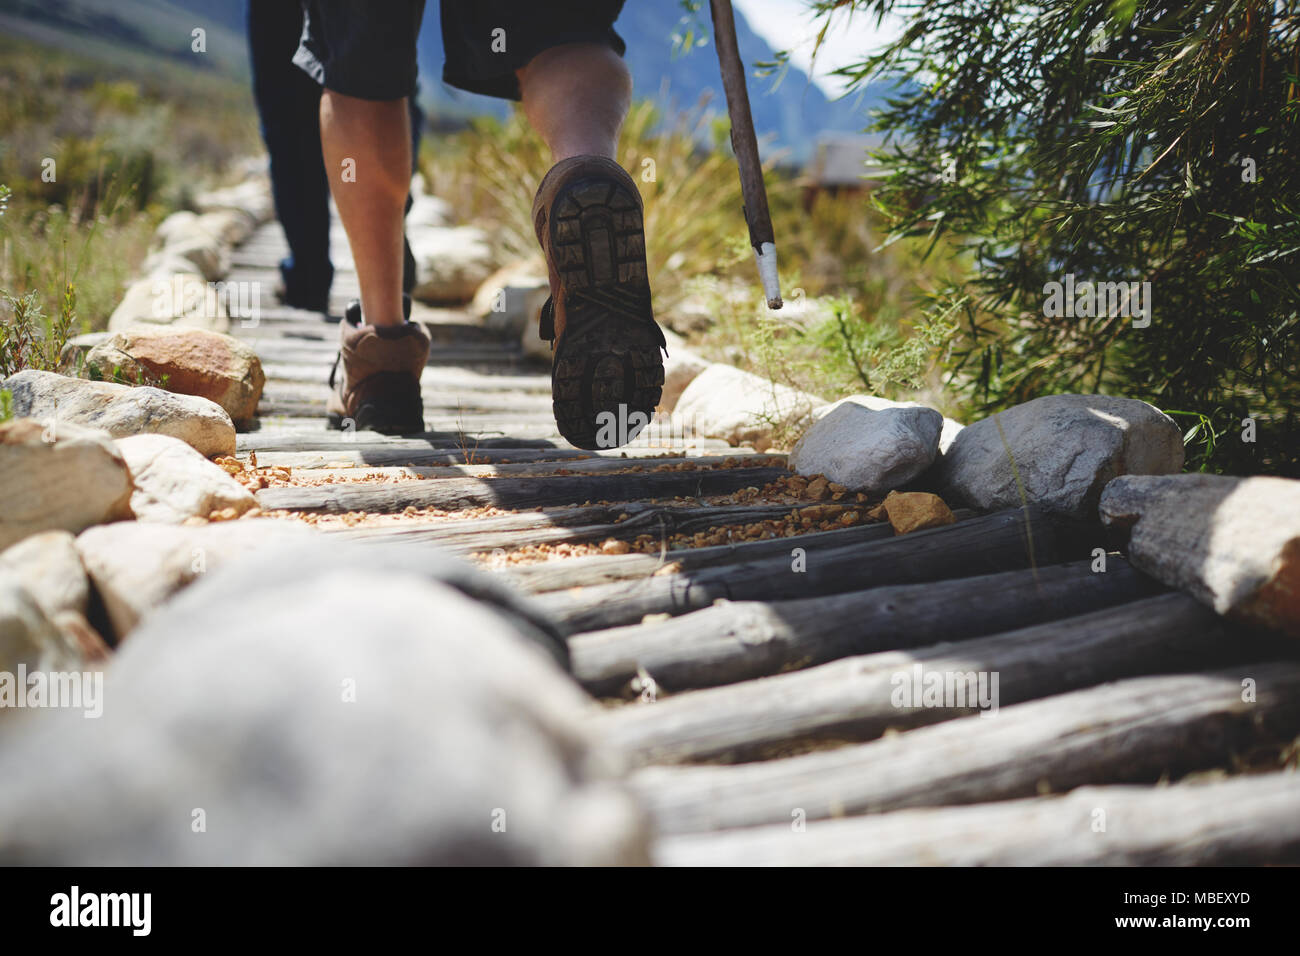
607,373
377,387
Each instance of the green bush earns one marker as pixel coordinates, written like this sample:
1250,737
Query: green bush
1119,141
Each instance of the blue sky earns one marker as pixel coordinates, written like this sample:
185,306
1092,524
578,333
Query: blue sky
788,25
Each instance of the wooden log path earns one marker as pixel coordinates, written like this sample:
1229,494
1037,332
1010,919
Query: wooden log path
787,680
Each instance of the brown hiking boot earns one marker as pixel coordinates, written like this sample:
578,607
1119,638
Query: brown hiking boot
607,373
378,387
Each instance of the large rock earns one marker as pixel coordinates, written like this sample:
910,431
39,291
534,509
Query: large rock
174,482
68,478
228,226
1065,447
136,566
47,564
1232,543
951,427
182,299
72,357
451,262
510,300
196,251
869,451
252,196
356,711
211,365
28,638
742,408
47,567
122,410
428,211
681,367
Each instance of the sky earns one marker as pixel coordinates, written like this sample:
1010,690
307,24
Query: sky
788,25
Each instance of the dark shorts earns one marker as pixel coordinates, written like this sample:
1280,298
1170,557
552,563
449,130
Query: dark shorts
367,48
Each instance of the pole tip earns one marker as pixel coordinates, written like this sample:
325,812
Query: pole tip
765,257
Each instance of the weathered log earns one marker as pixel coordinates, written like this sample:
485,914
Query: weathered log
573,525
603,569
984,545
454,493
855,699
1233,543
539,469
1244,821
738,641
336,455
1132,731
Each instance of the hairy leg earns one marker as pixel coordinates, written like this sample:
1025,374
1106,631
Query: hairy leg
576,97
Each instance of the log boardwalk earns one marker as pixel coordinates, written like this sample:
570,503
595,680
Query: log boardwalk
788,681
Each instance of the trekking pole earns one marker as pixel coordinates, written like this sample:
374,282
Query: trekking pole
745,145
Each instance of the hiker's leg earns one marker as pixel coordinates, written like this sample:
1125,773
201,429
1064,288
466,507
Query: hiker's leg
576,96
288,106
367,146
364,55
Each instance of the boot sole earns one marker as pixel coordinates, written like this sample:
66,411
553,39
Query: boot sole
607,375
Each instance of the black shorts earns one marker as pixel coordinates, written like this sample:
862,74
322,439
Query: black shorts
367,48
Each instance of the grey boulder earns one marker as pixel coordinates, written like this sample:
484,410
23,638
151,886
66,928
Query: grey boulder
869,451
1065,448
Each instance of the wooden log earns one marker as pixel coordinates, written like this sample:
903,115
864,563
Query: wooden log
605,569
853,699
995,542
334,456
454,493
1132,731
1233,543
463,381
591,523
739,641
538,469
320,439
1244,821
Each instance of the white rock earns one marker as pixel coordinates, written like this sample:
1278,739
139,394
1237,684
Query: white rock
1065,447
72,357
681,366
195,251
533,345
451,262
352,711
511,299
951,427
252,196
428,211
136,566
725,402
122,410
68,478
869,451
47,564
173,227
174,482
182,299
28,637
1232,543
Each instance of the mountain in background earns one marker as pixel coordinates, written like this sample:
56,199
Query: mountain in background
788,115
